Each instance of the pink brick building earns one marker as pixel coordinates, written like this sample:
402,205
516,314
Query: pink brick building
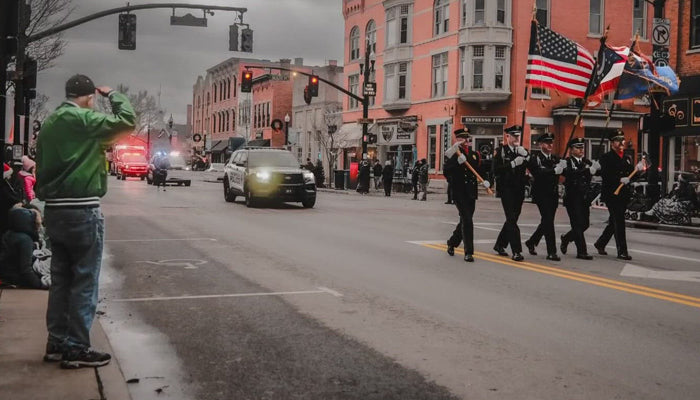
441,64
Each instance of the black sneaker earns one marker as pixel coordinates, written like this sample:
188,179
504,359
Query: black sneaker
54,353
84,358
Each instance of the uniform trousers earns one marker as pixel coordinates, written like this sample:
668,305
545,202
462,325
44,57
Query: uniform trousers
510,232
616,227
579,216
465,229
548,209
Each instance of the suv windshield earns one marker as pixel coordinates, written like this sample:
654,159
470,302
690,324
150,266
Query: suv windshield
134,158
272,159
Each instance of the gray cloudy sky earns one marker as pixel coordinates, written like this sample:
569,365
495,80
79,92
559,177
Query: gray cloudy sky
173,56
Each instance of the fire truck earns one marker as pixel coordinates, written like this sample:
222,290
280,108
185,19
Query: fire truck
128,160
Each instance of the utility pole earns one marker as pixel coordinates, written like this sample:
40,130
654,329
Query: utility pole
23,14
368,67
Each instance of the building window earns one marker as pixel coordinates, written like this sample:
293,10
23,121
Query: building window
432,145
404,25
478,67
214,94
500,65
479,12
440,75
462,68
595,18
371,36
539,93
542,14
695,24
442,17
501,12
396,81
353,86
397,25
463,11
403,78
354,43
640,18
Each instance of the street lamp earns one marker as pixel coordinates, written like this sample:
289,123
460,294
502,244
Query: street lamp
170,133
366,68
286,129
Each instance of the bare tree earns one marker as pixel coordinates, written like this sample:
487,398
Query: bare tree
329,136
37,107
145,106
47,14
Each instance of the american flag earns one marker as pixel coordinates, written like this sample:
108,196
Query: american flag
557,62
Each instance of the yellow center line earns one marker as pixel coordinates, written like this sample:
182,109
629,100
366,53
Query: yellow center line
576,276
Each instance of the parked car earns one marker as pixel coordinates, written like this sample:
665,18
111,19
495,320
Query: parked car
270,174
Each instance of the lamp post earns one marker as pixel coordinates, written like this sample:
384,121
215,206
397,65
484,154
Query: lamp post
286,129
170,131
148,141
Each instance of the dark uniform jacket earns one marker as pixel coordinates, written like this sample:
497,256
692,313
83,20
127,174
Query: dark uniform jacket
578,179
614,167
546,184
509,181
463,181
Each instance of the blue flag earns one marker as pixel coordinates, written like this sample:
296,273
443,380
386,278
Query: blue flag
639,78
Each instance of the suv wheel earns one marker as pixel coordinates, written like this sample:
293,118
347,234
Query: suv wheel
228,193
249,200
308,203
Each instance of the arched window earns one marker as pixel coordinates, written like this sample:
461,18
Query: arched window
371,36
442,17
228,88
215,93
213,123
233,119
354,43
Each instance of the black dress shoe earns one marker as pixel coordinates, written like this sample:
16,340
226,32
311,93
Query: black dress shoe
448,202
450,250
468,258
500,251
517,257
564,244
531,248
601,249
553,257
584,257
624,256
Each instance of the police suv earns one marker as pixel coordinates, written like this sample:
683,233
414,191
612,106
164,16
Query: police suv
263,173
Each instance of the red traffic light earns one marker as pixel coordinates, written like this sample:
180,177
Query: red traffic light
246,81
313,85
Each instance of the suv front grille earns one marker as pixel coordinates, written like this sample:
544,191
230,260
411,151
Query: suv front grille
287,179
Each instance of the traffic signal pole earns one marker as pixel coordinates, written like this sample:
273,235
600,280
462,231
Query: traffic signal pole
655,111
365,102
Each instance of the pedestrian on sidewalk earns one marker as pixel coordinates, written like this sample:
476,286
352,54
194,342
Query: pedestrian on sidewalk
465,191
415,174
387,177
578,173
72,186
546,168
363,177
377,170
28,179
510,165
424,179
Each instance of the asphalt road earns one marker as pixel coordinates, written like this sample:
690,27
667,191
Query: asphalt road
357,299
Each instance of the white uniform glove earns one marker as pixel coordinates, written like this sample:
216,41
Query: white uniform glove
521,151
519,160
452,150
596,165
640,166
558,169
486,184
625,180
461,159
562,164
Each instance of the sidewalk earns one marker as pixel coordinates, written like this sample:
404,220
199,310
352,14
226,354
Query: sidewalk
23,374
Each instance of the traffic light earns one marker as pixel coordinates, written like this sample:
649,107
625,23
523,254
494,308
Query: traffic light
307,95
372,138
313,85
233,38
247,40
29,78
127,31
246,81
9,25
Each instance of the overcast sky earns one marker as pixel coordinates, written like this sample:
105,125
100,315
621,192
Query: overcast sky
171,57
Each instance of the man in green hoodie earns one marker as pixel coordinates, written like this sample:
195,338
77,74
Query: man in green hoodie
71,179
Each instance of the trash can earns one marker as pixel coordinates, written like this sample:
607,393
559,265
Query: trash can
339,177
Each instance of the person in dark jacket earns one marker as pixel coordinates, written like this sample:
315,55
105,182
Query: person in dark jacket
509,163
378,176
8,197
424,178
363,177
615,171
465,189
415,175
578,173
387,177
17,249
545,167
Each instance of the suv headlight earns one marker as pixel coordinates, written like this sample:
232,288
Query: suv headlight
309,178
262,176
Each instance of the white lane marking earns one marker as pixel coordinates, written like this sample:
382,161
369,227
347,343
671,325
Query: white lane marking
331,291
641,272
215,296
159,240
421,242
188,264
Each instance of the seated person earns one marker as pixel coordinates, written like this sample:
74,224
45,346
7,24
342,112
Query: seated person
16,258
679,205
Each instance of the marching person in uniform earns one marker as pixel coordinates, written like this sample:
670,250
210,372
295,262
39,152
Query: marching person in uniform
510,163
578,173
464,191
545,167
615,171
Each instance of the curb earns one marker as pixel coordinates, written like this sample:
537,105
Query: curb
662,227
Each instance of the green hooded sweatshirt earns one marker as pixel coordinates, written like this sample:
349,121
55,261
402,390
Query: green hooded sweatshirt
71,162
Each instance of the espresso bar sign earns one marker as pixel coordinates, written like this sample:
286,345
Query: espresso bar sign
483,120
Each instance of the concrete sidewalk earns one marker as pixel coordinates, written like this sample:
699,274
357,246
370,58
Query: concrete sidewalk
23,373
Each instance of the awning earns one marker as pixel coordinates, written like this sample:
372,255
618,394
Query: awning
258,143
350,135
219,146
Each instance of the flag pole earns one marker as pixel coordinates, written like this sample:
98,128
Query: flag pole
522,123
587,93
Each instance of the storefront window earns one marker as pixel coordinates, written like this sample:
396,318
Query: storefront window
432,145
687,154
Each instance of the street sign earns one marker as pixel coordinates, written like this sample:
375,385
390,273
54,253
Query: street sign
188,20
365,120
17,152
370,89
661,33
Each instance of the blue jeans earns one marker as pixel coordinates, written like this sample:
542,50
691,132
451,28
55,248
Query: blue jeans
77,238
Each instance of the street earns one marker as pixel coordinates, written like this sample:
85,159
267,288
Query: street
357,299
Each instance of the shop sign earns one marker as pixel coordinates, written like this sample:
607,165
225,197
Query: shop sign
395,134
678,109
696,112
483,120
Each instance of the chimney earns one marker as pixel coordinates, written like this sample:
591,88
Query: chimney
299,61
